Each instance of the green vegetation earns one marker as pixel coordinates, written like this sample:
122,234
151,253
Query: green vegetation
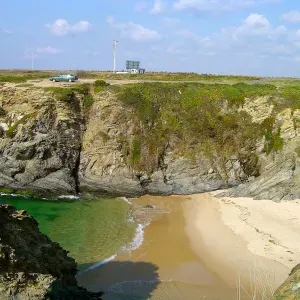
290,97
100,85
25,193
22,76
6,191
13,79
85,90
11,132
273,140
63,94
179,76
192,118
68,94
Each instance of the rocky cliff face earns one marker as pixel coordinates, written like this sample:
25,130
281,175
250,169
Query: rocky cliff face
258,169
290,289
280,171
31,265
40,140
103,165
155,140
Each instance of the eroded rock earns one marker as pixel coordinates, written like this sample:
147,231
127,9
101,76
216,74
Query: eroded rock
32,267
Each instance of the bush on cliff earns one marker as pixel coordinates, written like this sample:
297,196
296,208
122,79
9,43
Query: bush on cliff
191,119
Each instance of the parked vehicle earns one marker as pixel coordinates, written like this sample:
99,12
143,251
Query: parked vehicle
64,77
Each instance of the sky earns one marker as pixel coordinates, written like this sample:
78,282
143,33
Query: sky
238,37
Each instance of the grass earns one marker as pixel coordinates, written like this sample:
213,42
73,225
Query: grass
68,94
62,94
179,76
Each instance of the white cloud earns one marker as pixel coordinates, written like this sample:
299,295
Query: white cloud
48,50
61,27
292,16
212,5
256,20
134,31
254,25
158,7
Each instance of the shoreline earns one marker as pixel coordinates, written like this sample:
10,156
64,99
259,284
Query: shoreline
200,248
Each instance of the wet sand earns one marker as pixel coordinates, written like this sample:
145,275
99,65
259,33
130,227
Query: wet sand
188,253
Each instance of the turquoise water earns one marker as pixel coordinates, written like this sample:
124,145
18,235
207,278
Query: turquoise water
91,230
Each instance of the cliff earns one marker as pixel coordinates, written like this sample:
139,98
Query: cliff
290,289
156,138
31,265
40,139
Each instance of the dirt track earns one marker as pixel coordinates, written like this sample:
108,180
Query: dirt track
48,83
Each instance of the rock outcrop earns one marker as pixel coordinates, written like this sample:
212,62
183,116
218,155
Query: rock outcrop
279,172
32,267
50,144
103,166
290,289
41,140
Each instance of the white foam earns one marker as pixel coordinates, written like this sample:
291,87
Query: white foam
68,197
138,238
98,264
13,195
126,200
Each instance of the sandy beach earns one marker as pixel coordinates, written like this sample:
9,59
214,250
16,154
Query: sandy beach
205,248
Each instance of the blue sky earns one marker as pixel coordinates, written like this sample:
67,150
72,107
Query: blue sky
252,37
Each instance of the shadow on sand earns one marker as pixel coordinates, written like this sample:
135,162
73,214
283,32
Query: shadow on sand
121,280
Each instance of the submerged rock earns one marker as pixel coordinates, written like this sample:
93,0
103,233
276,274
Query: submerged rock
290,289
149,206
31,265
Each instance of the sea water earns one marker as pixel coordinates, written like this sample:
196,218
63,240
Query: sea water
93,231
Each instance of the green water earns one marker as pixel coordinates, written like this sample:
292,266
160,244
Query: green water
90,230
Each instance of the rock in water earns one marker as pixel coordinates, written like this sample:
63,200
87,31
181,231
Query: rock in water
31,265
290,289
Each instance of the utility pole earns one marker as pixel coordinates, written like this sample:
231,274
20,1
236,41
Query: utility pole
115,55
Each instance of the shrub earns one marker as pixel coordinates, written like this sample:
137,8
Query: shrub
6,190
100,85
193,114
63,94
